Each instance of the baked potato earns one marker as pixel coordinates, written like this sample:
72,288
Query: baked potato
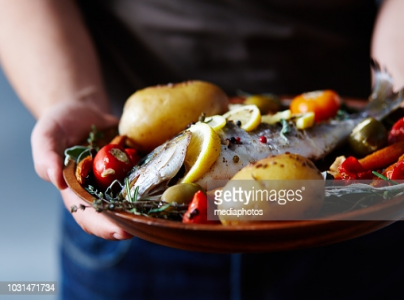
153,115
282,187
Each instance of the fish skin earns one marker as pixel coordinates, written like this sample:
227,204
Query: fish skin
162,165
314,143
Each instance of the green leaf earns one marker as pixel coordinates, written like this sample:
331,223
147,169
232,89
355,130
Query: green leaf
74,153
127,187
161,209
136,194
285,129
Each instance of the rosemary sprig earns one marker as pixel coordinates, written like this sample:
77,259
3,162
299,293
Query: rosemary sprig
136,194
384,178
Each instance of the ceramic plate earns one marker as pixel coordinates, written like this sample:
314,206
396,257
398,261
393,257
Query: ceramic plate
262,237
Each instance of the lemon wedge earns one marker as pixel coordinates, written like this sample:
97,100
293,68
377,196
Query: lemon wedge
271,119
203,150
216,122
249,116
305,121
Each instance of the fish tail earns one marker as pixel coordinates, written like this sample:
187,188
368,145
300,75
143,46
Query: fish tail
383,100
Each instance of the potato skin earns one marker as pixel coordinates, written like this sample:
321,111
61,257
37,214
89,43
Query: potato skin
285,168
153,115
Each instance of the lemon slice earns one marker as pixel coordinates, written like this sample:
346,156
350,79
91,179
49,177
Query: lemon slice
249,116
203,150
216,122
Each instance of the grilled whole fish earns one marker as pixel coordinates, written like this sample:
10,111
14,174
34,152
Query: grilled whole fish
163,164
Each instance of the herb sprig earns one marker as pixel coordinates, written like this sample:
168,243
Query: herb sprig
151,207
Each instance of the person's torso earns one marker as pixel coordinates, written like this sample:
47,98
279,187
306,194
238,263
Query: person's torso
284,47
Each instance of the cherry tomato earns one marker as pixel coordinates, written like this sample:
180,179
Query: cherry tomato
396,133
197,212
133,156
325,104
111,163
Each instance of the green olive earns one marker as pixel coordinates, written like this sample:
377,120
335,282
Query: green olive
181,193
367,137
265,102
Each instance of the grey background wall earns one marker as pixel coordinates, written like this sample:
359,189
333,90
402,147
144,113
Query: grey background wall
29,207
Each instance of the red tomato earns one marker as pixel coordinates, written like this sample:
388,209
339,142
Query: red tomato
397,132
325,104
197,212
132,153
111,163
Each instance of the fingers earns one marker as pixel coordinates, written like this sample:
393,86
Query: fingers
63,126
48,142
58,129
93,222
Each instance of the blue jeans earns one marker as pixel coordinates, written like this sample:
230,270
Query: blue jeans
370,267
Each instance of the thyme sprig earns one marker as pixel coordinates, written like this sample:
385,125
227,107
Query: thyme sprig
93,136
146,206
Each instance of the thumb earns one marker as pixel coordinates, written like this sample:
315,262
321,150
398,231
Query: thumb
47,152
60,128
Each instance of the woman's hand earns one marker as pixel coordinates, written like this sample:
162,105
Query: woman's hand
64,125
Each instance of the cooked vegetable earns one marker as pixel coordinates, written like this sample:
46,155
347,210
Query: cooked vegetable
324,104
351,169
278,175
111,163
396,133
388,172
398,171
368,137
84,169
383,157
197,212
280,167
153,115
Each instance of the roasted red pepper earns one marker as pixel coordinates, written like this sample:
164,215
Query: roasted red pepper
197,212
398,171
351,169
396,133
